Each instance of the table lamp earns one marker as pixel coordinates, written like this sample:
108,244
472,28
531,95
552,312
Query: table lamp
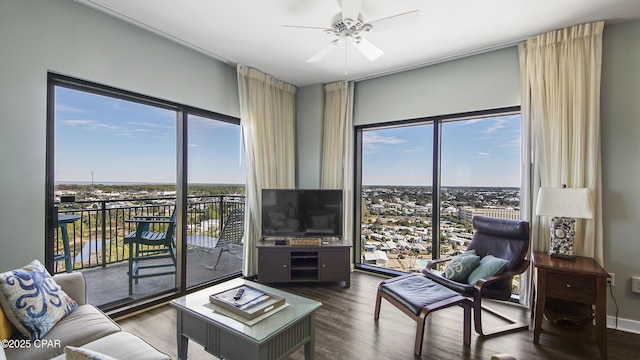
565,205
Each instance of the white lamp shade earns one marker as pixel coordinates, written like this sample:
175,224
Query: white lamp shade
565,202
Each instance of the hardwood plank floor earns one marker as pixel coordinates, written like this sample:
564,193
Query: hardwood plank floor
345,329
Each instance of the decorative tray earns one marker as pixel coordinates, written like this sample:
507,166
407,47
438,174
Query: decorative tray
306,241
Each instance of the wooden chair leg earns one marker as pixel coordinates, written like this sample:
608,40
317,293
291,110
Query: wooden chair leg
130,269
512,326
466,337
376,313
422,319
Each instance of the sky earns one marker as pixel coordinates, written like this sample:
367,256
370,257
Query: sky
475,152
122,141
108,140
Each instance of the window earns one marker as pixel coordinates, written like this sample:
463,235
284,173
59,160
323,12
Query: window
423,180
114,156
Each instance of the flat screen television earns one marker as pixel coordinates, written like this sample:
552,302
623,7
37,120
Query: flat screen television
293,213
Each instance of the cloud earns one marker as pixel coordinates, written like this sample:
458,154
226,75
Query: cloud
88,124
152,125
483,154
496,125
471,121
371,140
67,108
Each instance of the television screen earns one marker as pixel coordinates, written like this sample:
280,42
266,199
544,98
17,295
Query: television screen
302,213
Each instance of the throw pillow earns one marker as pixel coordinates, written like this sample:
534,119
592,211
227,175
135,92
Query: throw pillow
78,353
459,268
489,266
32,300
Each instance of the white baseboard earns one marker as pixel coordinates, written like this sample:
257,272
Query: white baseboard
632,326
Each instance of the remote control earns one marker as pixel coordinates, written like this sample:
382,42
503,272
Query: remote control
238,294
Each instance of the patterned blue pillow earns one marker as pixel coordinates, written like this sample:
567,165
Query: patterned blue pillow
459,268
32,300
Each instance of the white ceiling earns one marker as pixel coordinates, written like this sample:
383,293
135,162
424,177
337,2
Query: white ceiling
251,32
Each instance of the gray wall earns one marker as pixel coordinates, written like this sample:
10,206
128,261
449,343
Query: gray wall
480,82
37,36
309,120
620,115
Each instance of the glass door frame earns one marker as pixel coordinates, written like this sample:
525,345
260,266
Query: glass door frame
181,153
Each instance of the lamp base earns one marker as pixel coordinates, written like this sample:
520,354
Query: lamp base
562,256
562,232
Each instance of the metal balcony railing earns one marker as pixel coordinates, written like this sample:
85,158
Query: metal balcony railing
96,239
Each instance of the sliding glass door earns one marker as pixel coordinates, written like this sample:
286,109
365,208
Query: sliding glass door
113,165
422,181
115,160
216,178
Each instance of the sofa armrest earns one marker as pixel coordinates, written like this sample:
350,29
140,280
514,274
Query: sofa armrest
74,284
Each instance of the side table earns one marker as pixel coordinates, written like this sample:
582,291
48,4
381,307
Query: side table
580,280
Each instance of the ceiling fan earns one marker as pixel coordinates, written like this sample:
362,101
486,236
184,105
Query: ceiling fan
349,26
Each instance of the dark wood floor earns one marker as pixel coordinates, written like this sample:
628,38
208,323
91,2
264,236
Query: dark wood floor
346,330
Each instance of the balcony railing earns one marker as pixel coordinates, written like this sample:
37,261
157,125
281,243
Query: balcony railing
96,239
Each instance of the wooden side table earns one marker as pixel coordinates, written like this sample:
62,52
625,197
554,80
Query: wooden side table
580,280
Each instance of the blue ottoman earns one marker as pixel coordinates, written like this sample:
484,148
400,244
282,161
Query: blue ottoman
417,297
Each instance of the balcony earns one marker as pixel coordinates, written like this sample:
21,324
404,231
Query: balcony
97,249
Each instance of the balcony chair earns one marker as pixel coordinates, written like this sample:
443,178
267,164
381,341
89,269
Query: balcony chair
504,239
157,247
230,239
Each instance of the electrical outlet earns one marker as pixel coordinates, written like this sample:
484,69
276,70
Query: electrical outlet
635,284
612,280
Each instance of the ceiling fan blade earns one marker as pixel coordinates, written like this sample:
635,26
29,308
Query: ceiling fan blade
304,27
351,9
367,48
324,51
396,21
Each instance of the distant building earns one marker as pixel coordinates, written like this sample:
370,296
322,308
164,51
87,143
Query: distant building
376,258
500,213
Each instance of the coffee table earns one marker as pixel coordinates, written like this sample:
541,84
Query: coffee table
274,337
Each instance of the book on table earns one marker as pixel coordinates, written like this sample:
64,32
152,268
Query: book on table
250,304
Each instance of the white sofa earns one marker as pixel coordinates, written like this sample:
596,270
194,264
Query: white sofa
86,327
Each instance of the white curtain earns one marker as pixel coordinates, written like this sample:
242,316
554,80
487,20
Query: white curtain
337,149
560,90
267,117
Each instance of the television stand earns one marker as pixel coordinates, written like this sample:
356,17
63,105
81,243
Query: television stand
304,263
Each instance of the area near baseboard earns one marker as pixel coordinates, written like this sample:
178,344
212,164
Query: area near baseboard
632,326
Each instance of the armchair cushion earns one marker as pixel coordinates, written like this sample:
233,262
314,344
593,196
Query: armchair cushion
459,268
488,266
32,300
